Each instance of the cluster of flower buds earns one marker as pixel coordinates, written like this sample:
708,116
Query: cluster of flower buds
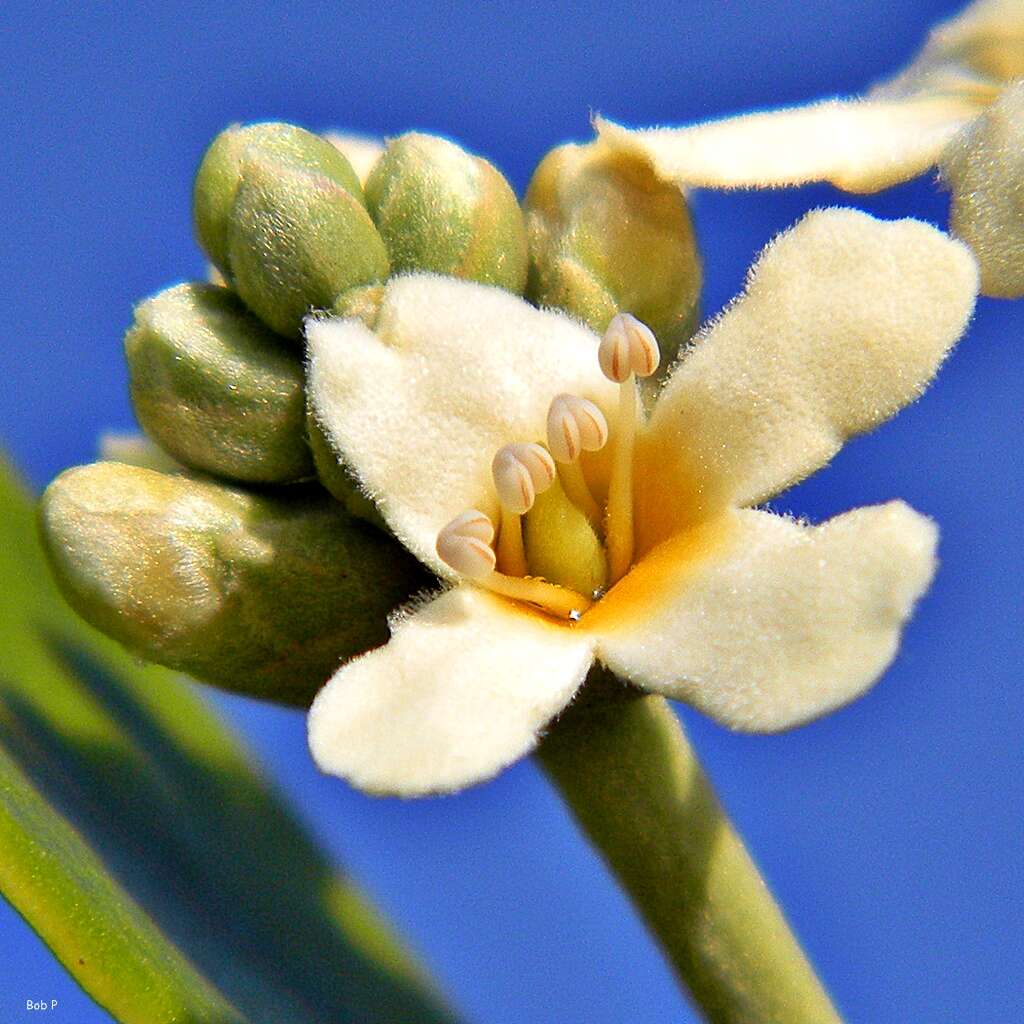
232,562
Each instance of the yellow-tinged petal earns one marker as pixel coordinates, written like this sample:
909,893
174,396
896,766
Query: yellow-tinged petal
780,623
844,321
984,167
462,689
862,144
454,371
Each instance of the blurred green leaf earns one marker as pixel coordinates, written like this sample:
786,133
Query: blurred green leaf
138,841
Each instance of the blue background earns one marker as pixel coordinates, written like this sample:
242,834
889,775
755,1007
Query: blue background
890,831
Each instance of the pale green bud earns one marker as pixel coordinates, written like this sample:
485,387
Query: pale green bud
444,210
263,595
220,175
364,302
561,544
215,388
296,241
337,479
606,236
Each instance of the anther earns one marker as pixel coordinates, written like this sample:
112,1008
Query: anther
521,472
465,545
627,348
576,425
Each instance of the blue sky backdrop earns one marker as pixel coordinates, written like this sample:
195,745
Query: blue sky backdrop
890,831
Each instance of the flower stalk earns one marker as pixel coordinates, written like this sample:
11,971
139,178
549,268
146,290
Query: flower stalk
623,766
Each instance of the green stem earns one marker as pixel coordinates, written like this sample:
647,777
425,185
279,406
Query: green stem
624,767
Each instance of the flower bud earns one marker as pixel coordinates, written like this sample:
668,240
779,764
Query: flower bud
336,478
263,595
215,388
363,302
606,236
444,210
220,175
297,240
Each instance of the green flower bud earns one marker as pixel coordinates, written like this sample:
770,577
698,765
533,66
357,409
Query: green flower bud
297,240
364,302
336,478
444,210
263,595
606,236
220,175
215,388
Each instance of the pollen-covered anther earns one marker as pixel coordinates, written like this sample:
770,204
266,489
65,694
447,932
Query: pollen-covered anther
465,545
575,425
628,348
521,472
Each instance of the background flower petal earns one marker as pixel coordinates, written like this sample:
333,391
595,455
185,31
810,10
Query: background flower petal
461,690
861,144
453,371
786,623
844,321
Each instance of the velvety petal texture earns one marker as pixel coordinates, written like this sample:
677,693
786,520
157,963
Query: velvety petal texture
461,690
844,321
861,144
785,622
453,371
984,168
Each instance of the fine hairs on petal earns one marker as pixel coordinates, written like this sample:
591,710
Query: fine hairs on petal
462,689
788,623
845,319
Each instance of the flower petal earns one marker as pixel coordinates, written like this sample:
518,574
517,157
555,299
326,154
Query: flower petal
984,167
784,623
844,321
894,133
859,145
461,690
418,408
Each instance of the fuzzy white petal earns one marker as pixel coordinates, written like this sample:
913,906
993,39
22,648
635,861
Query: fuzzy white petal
860,145
453,372
461,690
984,167
786,622
844,321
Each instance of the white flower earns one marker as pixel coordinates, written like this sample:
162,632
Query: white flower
758,620
959,104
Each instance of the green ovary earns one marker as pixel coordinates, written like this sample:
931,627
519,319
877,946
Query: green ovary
562,546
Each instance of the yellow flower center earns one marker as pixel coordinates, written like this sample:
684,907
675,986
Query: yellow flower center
555,549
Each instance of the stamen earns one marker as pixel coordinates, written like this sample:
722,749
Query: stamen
465,545
627,349
559,601
576,425
520,472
